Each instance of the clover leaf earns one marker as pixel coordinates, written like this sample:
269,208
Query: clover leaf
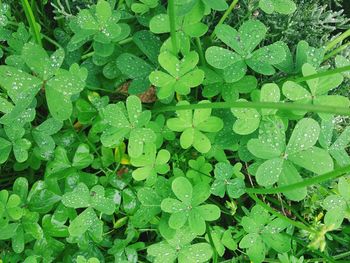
285,7
144,6
263,232
188,21
303,54
127,122
317,90
341,61
101,26
150,163
179,247
136,69
181,77
192,126
10,207
337,148
233,65
42,135
14,142
58,83
150,199
61,165
222,239
82,197
188,208
337,205
224,182
200,170
281,159
248,119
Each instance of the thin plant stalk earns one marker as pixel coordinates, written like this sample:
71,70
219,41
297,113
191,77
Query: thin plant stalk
307,182
337,40
31,20
336,51
172,18
225,15
260,105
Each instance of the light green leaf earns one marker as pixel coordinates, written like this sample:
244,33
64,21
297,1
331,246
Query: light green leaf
313,159
199,252
182,188
304,136
290,175
221,58
269,172
82,222
78,198
82,157
160,24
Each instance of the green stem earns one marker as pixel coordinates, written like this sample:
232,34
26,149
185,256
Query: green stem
336,51
260,105
272,211
307,182
31,20
52,41
215,253
125,41
172,18
224,16
321,74
337,40
200,51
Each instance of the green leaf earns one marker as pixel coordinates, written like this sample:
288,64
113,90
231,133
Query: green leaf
269,172
314,159
103,11
248,120
160,24
20,149
5,150
199,252
100,202
279,242
8,231
290,175
132,66
182,188
78,198
82,157
219,5
251,32
304,136
82,222
285,7
163,252
20,86
209,212
221,58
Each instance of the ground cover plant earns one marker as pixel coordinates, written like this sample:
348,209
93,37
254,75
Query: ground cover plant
174,131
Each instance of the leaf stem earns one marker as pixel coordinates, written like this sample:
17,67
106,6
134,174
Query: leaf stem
259,105
200,51
337,40
172,18
31,20
215,253
336,51
321,74
272,211
224,16
307,182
